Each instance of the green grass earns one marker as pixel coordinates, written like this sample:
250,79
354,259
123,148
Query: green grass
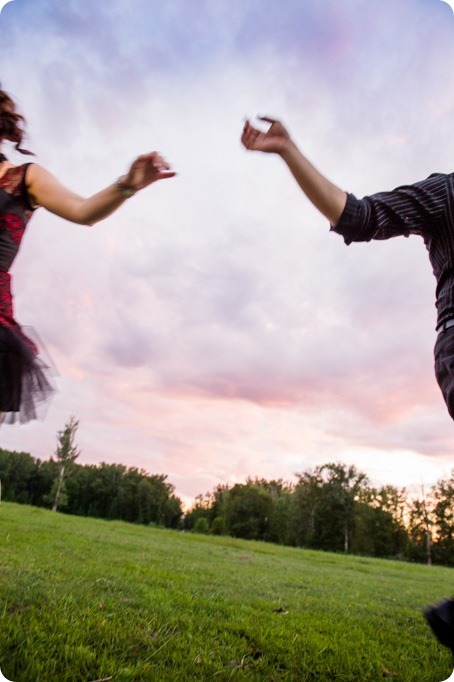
84,600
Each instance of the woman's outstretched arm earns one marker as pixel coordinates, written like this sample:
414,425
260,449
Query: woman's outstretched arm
326,197
45,190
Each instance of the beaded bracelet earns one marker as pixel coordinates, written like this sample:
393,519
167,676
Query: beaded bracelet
124,188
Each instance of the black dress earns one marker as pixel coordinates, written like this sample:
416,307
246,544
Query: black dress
24,378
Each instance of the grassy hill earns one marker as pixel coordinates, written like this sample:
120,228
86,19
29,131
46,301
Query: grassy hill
84,600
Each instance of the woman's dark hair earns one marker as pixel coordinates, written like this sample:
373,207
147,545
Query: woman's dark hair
12,124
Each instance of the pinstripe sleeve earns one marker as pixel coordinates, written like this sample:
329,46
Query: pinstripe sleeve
410,209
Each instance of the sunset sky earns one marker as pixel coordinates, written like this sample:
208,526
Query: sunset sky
213,328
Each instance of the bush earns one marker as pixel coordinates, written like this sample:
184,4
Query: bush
201,526
218,526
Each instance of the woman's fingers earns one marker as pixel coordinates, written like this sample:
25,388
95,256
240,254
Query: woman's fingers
166,174
148,168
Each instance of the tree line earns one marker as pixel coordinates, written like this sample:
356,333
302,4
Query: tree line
334,508
108,491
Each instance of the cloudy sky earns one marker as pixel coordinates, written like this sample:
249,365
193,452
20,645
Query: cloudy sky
213,328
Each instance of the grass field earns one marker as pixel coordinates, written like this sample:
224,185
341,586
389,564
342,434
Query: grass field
84,600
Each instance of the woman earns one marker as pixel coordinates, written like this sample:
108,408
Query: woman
23,189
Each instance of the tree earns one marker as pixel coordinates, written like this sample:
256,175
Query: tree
16,471
248,510
342,490
173,511
376,533
443,518
421,522
218,526
201,526
41,482
393,500
201,509
305,503
66,454
279,526
379,527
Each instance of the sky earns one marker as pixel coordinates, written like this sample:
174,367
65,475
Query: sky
214,328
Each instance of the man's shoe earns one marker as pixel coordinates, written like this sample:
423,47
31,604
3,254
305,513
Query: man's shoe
441,619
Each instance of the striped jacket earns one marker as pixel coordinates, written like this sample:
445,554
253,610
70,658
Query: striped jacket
426,209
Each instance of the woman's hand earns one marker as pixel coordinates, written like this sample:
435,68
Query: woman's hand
146,169
275,140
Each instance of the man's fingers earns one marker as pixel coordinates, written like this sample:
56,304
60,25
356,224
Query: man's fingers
267,119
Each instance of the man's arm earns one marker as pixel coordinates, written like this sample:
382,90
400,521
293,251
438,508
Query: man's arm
329,199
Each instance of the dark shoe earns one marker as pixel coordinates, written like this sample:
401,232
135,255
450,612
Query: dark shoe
441,619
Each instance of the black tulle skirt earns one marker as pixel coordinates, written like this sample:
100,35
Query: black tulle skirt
25,379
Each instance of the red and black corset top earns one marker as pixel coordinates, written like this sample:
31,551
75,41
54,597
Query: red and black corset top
15,212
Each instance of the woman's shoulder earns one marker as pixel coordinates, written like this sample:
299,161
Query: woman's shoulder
5,169
15,181
13,176
13,171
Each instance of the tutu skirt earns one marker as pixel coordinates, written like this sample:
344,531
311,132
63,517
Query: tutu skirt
25,380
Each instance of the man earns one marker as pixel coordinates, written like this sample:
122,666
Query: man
425,208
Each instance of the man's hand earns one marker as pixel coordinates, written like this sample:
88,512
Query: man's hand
275,140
